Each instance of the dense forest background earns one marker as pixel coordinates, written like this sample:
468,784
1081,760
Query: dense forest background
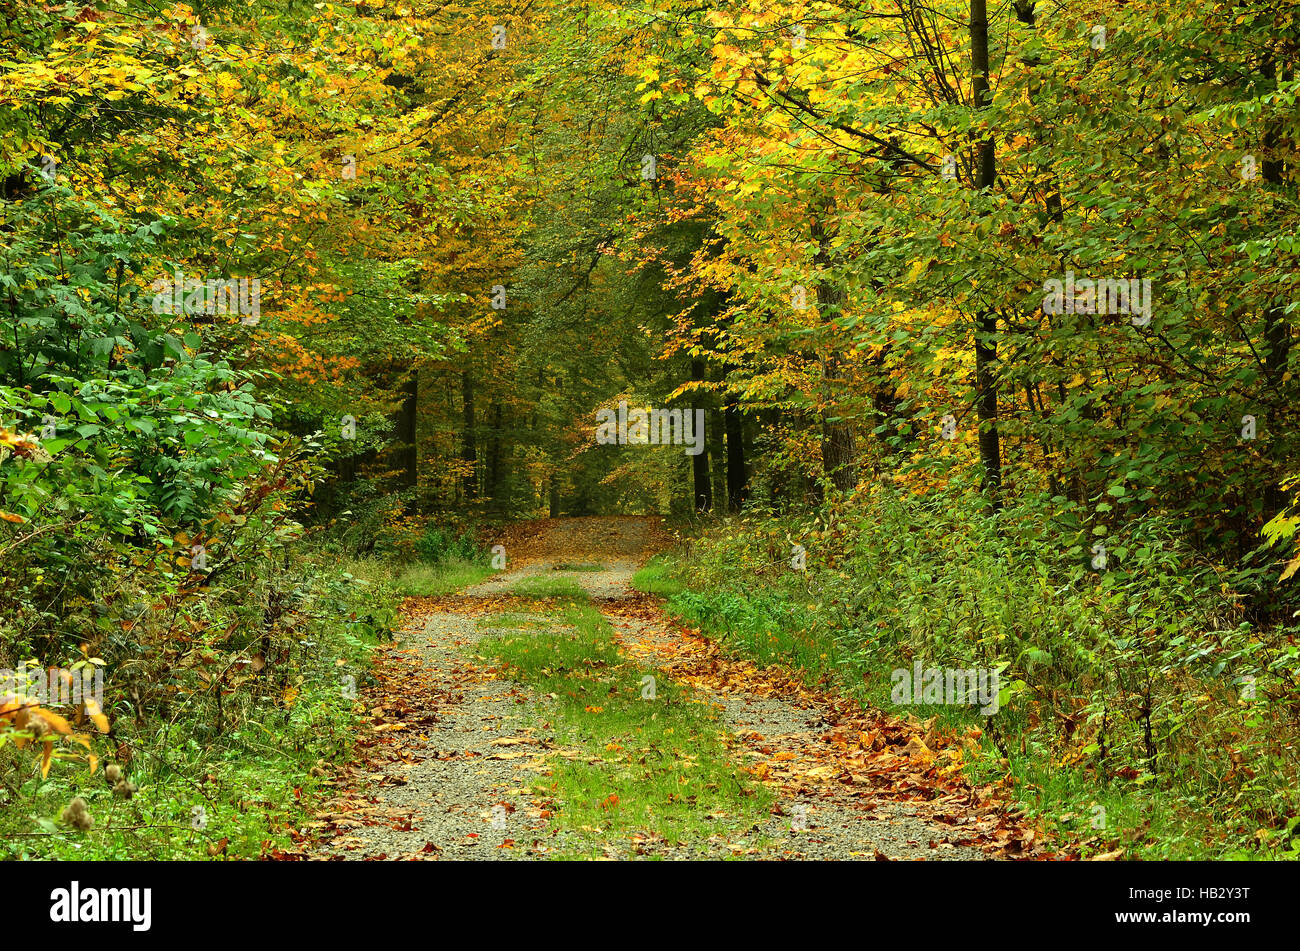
989,308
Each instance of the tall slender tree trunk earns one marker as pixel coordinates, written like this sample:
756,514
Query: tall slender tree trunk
495,467
839,445
737,477
468,445
986,322
703,485
408,452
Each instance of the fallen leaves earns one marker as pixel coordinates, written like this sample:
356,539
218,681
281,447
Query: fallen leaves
857,755
916,747
846,756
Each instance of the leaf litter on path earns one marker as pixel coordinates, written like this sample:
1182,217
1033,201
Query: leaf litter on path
448,750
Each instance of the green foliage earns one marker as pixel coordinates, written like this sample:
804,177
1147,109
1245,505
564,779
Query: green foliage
149,523
418,579
656,577
547,586
250,758
1142,676
145,425
439,545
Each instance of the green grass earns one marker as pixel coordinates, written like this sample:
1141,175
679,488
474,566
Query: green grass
578,566
434,580
863,609
420,579
543,586
255,777
656,577
1150,824
514,621
666,760
772,628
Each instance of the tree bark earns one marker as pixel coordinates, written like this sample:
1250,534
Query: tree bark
703,485
986,322
468,446
737,477
408,453
839,445
495,469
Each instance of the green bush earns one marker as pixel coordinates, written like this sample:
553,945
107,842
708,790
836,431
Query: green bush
441,545
1144,674
149,527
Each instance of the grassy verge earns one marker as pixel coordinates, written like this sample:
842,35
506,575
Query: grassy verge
1122,722
658,767
420,579
656,577
201,779
233,770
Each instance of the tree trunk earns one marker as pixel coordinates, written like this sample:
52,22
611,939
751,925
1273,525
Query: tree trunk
839,445
468,446
737,478
703,485
986,322
495,470
408,453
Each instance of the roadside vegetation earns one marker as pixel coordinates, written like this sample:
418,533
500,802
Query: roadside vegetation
1140,707
225,704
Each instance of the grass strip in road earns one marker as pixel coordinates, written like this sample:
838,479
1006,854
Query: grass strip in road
544,586
658,768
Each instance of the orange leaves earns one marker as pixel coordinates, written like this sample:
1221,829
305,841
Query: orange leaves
22,446
24,715
860,753
96,716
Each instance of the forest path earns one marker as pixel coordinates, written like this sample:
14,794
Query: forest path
458,760
598,554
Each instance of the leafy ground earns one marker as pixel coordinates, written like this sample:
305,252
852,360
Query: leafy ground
552,713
